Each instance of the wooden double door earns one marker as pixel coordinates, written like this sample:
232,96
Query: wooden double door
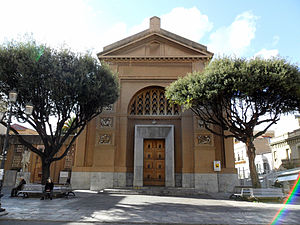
154,162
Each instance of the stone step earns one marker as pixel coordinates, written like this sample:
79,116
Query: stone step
160,191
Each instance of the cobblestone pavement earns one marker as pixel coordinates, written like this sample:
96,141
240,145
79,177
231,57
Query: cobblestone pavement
93,208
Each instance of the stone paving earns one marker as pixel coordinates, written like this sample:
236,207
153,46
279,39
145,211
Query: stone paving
92,207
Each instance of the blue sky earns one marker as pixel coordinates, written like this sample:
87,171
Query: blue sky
276,23
244,28
240,27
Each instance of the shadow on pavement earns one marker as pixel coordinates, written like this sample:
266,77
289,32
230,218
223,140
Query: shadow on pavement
90,207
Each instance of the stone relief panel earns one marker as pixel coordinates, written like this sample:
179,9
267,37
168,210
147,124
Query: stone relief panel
108,108
106,122
200,124
104,139
204,139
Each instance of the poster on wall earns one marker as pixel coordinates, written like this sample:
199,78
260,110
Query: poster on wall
217,166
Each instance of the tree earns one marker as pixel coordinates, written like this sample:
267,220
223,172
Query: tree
237,95
60,85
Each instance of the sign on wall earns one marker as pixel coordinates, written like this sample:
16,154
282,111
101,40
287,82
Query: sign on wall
217,165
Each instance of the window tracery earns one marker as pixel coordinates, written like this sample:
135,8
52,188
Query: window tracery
152,102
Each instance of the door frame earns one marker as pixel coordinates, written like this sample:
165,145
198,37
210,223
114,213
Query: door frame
154,132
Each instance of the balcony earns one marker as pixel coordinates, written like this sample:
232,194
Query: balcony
290,163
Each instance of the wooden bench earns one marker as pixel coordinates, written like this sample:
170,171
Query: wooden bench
257,194
65,190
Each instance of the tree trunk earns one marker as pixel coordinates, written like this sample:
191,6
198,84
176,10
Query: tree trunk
252,167
45,170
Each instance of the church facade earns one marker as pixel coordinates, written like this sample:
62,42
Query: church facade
142,140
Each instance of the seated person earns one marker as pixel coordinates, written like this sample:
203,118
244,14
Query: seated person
48,191
68,181
20,186
277,184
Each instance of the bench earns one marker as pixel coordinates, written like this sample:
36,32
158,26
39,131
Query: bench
257,194
65,190
239,192
31,189
267,193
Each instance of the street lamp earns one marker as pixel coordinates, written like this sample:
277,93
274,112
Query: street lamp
12,98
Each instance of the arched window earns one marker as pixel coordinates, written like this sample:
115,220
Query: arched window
151,101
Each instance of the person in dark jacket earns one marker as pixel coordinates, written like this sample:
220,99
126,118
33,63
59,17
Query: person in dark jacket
48,189
20,186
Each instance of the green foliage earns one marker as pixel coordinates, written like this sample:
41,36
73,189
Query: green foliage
237,95
58,83
244,89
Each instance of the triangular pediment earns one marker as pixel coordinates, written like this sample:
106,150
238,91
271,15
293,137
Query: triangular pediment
155,44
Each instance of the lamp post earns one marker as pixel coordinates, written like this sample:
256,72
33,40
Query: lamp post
12,98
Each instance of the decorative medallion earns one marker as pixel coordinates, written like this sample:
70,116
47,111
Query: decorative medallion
204,139
106,122
105,139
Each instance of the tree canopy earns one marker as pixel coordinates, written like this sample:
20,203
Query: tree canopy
60,85
237,95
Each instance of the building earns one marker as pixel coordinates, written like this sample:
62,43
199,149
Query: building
22,162
142,140
286,155
263,159
286,150
22,130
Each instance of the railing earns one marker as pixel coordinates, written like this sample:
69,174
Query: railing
290,163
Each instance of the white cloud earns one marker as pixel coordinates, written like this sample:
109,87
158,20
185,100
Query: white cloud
115,33
275,40
287,123
267,54
140,27
176,21
189,23
81,27
236,38
54,22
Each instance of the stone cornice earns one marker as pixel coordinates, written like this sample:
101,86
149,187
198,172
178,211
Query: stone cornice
286,141
127,58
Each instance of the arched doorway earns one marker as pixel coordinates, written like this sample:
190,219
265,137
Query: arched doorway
153,119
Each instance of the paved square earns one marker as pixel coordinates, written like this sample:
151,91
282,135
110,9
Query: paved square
93,208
